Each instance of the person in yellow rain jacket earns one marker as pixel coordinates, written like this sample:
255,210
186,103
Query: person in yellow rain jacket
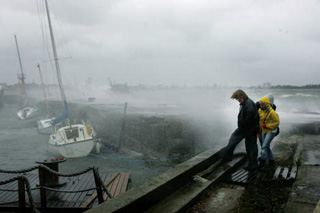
269,122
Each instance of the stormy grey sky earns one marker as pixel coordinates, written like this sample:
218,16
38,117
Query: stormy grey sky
192,42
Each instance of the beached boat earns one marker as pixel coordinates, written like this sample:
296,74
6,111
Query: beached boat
75,140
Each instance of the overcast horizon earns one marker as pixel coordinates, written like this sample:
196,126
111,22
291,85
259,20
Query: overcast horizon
192,43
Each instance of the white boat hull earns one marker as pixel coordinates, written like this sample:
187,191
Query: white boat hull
73,141
73,150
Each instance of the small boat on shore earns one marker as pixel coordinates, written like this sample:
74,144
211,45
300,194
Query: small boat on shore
73,141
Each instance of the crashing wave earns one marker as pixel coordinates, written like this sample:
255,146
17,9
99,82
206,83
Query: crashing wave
298,95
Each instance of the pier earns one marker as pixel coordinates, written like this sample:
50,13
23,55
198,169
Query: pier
51,191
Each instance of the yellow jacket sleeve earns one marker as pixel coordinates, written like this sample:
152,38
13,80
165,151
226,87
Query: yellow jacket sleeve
272,121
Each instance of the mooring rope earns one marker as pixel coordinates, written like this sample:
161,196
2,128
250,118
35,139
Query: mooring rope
64,174
46,168
19,171
28,189
9,190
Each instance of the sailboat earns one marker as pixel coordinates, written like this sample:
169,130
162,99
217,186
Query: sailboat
45,124
76,140
26,109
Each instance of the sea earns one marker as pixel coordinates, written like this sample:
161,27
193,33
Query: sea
212,110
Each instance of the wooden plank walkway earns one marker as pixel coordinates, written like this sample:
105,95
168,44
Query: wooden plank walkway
116,183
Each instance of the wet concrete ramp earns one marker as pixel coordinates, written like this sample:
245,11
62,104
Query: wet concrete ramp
305,192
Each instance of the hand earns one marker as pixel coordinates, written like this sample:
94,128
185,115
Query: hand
264,125
258,135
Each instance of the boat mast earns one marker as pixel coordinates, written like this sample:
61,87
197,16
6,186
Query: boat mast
63,97
21,69
44,91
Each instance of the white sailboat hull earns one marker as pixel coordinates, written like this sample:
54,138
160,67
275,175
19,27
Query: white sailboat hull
73,141
73,150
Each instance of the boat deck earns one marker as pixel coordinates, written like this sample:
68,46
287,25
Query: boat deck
116,184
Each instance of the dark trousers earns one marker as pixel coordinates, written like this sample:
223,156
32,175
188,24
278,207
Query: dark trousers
251,147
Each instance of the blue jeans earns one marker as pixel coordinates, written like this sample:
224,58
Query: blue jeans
266,153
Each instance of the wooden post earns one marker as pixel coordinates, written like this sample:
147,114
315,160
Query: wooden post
22,195
123,132
98,185
43,195
47,178
42,181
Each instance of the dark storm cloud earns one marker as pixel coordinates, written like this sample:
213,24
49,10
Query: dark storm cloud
153,42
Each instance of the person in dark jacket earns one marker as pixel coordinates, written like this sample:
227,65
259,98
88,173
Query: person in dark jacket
248,127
